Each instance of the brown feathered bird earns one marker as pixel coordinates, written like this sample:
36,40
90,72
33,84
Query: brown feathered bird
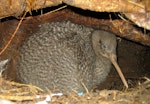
62,56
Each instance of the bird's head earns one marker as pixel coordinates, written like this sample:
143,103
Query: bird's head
104,44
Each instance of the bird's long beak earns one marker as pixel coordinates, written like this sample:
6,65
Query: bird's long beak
114,62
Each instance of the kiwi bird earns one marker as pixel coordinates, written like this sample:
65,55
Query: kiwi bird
62,55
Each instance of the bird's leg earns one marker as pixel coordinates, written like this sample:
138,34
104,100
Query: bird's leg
114,62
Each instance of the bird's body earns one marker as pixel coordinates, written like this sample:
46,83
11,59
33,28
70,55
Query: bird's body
62,55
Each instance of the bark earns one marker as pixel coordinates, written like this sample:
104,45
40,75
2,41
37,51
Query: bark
17,7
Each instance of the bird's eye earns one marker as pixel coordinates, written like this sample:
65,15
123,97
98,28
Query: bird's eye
100,41
102,45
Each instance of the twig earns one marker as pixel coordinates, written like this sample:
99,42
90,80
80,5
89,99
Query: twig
87,91
13,35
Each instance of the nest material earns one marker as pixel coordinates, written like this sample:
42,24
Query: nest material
13,92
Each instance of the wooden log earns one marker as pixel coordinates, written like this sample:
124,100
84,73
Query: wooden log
17,7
